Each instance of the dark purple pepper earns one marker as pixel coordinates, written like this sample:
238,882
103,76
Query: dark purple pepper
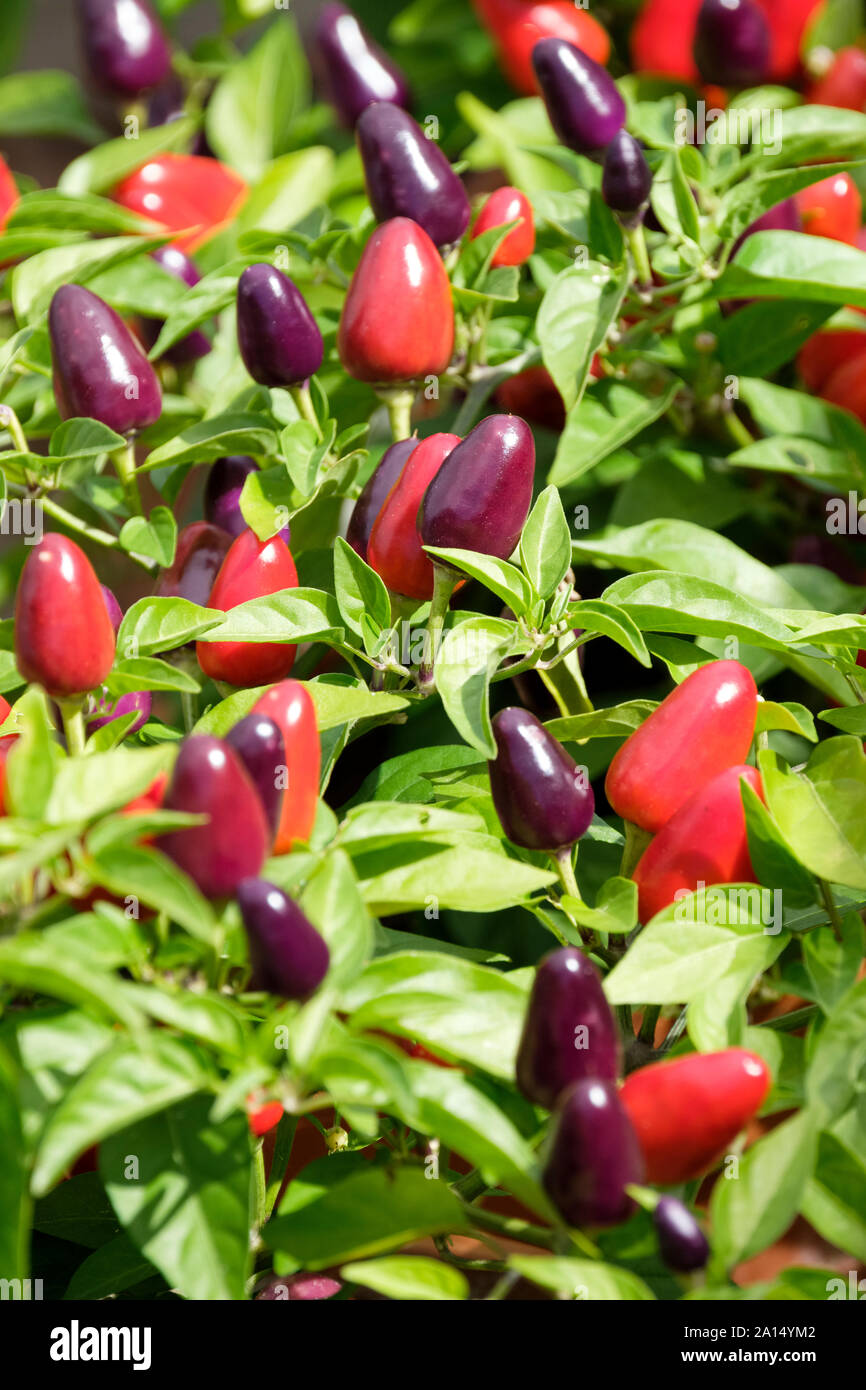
100,370
230,846
480,498
569,1031
222,494
582,100
287,954
108,708
682,1243
196,344
260,747
732,43
542,798
354,70
278,337
376,489
125,48
626,179
115,612
200,551
407,175
784,217
593,1156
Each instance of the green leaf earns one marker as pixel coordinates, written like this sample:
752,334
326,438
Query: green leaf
545,545
500,577
249,115
409,1278
581,1279
466,661
462,877
132,871
615,908
333,902
594,615
288,190
291,615
609,415
121,1087
234,433
835,1076
188,1208
100,169
793,265
833,964
34,281
819,811
87,787
14,1201
684,603
575,316
154,536
750,199
46,103
752,1209
835,1198
108,1271
360,592
772,860
33,759
30,963
200,303
155,625
617,722
82,438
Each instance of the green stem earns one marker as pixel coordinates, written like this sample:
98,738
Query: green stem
124,462
399,401
636,841
830,907
187,705
637,245
72,714
443,588
737,430
648,1024
789,1023
565,868
10,420
304,405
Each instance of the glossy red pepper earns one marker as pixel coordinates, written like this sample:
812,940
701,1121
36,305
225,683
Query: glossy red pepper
533,394
704,842
251,569
826,352
291,707
6,743
844,82
704,726
517,25
662,37
263,1118
787,21
398,320
8,192
375,490
688,1111
506,205
199,553
394,550
832,208
64,640
846,386
189,194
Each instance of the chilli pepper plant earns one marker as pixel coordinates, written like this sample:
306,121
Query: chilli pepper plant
433,445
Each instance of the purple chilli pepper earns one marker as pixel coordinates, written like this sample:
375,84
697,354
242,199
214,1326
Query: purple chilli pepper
196,344
626,178
278,337
259,745
582,100
480,498
209,779
222,494
784,217
593,1156
732,43
569,1032
375,490
407,175
115,612
543,799
354,71
106,709
100,370
125,48
682,1243
287,954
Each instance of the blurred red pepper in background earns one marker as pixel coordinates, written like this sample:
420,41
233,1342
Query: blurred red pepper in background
190,194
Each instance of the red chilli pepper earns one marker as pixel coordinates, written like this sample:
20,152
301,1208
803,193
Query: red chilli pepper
844,82
826,352
263,1118
701,728
832,208
398,319
508,205
290,706
251,569
394,550
64,639
8,192
517,26
189,194
846,387
687,1112
704,843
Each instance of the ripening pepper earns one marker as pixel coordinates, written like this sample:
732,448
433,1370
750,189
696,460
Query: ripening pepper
480,498
832,208
687,1111
100,369
125,49
626,179
222,494
581,97
290,705
107,708
827,351
263,1118
300,1288
593,1156
190,195
682,1244
352,69
846,388
196,344
844,82
784,217
517,26
259,744
251,569
64,640
6,744
662,37
394,550
278,337
534,395
704,726
542,797
209,779
288,956
503,206
569,1032
8,192
199,553
398,319
732,43
407,175
374,492
705,841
